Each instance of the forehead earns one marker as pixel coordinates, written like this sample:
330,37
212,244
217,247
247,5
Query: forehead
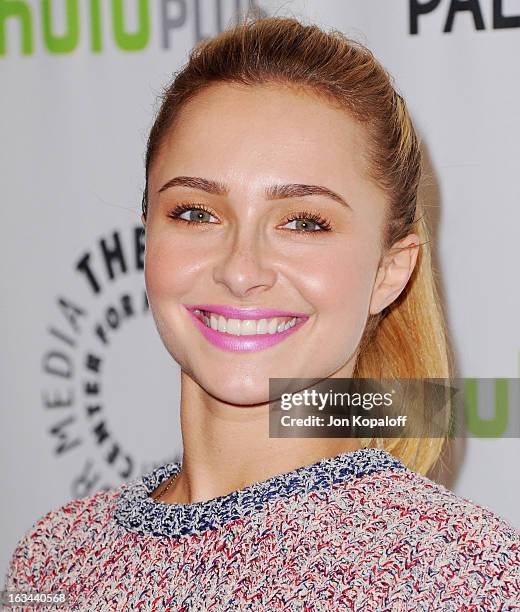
269,132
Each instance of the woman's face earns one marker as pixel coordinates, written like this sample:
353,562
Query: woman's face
242,250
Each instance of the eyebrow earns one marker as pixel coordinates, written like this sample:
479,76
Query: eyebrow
273,192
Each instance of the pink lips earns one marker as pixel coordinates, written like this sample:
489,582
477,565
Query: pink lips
256,342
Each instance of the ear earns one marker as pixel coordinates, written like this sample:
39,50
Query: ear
394,272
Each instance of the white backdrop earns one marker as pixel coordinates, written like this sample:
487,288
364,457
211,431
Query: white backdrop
89,394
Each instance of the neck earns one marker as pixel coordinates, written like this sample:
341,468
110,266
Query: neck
227,447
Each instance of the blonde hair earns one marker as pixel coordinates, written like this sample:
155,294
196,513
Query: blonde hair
408,339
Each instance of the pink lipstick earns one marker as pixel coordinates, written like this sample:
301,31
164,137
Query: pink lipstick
200,314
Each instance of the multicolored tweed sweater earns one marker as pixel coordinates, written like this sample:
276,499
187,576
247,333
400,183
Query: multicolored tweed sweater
358,531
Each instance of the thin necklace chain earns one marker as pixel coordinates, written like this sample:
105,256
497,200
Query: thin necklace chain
172,480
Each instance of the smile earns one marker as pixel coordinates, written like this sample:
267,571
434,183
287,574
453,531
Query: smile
238,333
245,327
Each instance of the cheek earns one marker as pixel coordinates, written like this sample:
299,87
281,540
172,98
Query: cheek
338,286
338,282
168,269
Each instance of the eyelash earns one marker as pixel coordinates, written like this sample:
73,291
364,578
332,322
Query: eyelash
303,215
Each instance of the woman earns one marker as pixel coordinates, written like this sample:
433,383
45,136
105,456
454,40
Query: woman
283,239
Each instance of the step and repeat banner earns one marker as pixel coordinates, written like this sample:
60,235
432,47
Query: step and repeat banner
90,397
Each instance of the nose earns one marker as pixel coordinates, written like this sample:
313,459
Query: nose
242,265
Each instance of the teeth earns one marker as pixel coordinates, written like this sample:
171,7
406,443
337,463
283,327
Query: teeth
261,326
221,324
233,327
245,327
271,327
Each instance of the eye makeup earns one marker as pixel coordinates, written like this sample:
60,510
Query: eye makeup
303,216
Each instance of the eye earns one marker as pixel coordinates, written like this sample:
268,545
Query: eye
305,222
306,219
197,217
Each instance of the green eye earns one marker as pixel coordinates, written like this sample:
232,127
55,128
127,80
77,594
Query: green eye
306,222
199,215
302,225
196,214
305,219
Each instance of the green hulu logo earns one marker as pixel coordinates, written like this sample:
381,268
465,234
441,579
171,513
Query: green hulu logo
495,426
68,41
172,15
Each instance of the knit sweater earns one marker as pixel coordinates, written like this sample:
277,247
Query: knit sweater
358,531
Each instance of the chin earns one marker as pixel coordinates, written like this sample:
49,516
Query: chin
241,390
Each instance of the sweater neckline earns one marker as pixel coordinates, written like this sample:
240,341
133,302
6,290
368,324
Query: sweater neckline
137,512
